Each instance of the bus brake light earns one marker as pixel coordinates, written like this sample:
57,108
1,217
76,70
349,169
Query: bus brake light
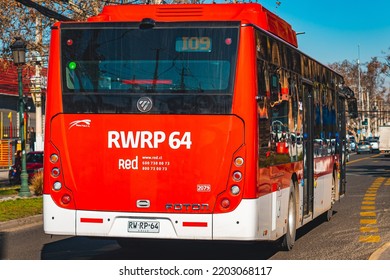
225,203
65,199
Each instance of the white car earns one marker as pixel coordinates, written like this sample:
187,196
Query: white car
374,145
352,143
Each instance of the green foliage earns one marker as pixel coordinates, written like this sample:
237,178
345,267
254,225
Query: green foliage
9,191
20,208
16,207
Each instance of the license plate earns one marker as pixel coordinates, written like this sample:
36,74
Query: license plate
143,226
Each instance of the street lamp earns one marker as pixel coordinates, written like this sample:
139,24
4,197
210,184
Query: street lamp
18,49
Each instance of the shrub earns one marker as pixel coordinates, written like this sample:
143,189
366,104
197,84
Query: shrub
37,183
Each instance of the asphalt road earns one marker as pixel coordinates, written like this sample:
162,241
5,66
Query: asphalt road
345,236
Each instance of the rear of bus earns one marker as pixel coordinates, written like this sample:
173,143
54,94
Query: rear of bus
142,137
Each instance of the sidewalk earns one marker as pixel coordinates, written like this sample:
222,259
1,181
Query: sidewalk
15,224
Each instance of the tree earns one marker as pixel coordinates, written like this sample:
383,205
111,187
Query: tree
372,76
348,70
19,20
387,62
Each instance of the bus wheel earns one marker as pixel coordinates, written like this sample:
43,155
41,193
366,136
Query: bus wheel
289,237
329,214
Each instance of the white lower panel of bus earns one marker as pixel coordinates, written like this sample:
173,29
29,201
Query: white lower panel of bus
253,219
57,220
263,218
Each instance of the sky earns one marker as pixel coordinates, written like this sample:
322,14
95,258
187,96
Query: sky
338,30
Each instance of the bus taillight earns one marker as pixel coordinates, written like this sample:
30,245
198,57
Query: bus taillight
53,158
57,186
225,203
238,161
237,176
65,199
231,197
54,181
235,190
55,172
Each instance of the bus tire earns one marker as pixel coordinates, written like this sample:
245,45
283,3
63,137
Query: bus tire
289,237
328,215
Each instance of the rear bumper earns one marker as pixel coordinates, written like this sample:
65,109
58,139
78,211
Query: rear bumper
240,224
385,152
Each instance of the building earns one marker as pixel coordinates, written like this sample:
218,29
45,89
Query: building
9,109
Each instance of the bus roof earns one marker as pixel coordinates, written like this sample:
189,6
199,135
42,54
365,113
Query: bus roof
249,13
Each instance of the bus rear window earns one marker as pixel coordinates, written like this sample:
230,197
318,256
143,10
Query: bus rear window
181,70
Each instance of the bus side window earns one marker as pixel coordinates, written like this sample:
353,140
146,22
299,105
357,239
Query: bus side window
263,94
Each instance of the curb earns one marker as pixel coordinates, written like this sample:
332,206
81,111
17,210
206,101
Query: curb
13,224
383,253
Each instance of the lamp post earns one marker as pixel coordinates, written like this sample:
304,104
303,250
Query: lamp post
18,49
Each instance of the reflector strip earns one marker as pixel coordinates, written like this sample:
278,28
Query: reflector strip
91,220
194,224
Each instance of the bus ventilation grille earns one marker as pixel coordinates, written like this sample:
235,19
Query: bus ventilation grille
179,12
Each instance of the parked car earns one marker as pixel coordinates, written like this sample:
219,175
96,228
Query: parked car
364,147
34,163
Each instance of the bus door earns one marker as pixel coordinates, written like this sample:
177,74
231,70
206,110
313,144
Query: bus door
343,144
308,153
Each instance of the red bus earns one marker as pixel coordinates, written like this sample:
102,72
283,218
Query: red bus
194,121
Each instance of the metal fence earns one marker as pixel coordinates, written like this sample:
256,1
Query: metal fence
7,151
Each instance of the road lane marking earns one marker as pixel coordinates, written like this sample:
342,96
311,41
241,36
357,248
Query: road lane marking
370,239
369,229
368,208
368,202
368,214
379,180
368,219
